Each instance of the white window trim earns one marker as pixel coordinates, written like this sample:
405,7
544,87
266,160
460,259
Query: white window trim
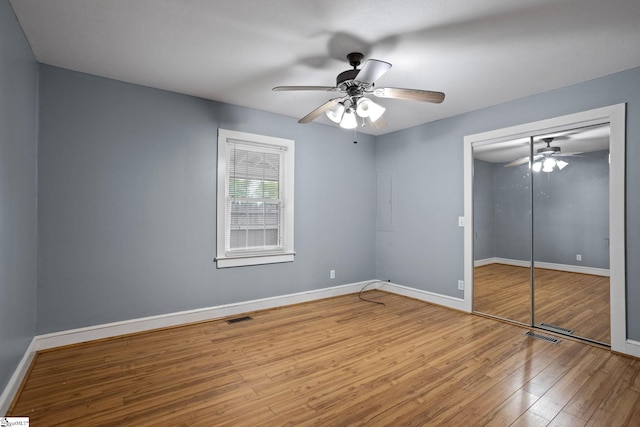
225,260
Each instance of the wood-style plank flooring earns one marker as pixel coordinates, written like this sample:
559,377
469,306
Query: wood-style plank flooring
334,362
579,302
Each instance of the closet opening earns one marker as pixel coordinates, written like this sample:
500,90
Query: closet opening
544,242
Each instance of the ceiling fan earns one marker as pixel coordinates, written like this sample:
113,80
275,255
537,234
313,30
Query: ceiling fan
355,86
544,159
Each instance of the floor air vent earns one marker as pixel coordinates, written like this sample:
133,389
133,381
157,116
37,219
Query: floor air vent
556,328
542,337
238,319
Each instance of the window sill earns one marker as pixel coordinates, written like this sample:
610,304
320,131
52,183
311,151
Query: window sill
226,262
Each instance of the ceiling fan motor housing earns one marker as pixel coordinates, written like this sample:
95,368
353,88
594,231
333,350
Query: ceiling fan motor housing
346,78
548,150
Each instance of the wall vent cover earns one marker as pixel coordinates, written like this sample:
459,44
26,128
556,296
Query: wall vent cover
542,337
238,319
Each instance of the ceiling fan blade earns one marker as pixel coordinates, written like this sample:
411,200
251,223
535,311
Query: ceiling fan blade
381,123
568,154
372,70
320,110
409,94
568,134
517,162
319,88
523,160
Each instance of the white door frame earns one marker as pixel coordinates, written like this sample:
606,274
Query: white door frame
615,115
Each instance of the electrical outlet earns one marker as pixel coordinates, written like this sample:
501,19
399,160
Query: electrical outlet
461,285
332,274
578,257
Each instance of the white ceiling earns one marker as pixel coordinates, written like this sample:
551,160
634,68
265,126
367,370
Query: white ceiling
480,53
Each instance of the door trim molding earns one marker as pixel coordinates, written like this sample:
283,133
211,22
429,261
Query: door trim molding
615,115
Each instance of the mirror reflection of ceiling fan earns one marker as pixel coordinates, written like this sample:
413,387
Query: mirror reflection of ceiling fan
356,87
546,159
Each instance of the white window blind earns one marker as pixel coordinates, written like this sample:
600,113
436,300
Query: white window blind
255,199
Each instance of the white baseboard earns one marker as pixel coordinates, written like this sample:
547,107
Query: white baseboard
631,347
439,299
574,268
506,261
547,265
108,330
15,381
486,261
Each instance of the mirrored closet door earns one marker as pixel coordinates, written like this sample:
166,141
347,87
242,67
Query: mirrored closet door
571,232
541,231
502,230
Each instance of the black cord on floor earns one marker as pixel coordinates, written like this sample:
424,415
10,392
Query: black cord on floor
368,300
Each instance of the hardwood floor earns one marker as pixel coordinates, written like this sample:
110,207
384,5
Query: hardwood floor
502,290
579,302
334,362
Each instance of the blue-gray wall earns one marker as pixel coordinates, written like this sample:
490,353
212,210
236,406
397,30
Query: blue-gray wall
127,213
18,125
426,249
484,242
512,213
571,212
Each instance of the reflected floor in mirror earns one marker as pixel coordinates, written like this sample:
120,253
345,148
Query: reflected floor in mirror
577,302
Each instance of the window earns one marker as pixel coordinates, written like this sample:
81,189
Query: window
255,199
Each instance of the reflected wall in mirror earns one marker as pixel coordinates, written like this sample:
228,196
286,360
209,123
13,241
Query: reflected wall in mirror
502,231
571,235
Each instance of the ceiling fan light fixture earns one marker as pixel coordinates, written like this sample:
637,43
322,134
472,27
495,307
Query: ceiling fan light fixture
537,166
368,108
349,120
548,164
335,114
